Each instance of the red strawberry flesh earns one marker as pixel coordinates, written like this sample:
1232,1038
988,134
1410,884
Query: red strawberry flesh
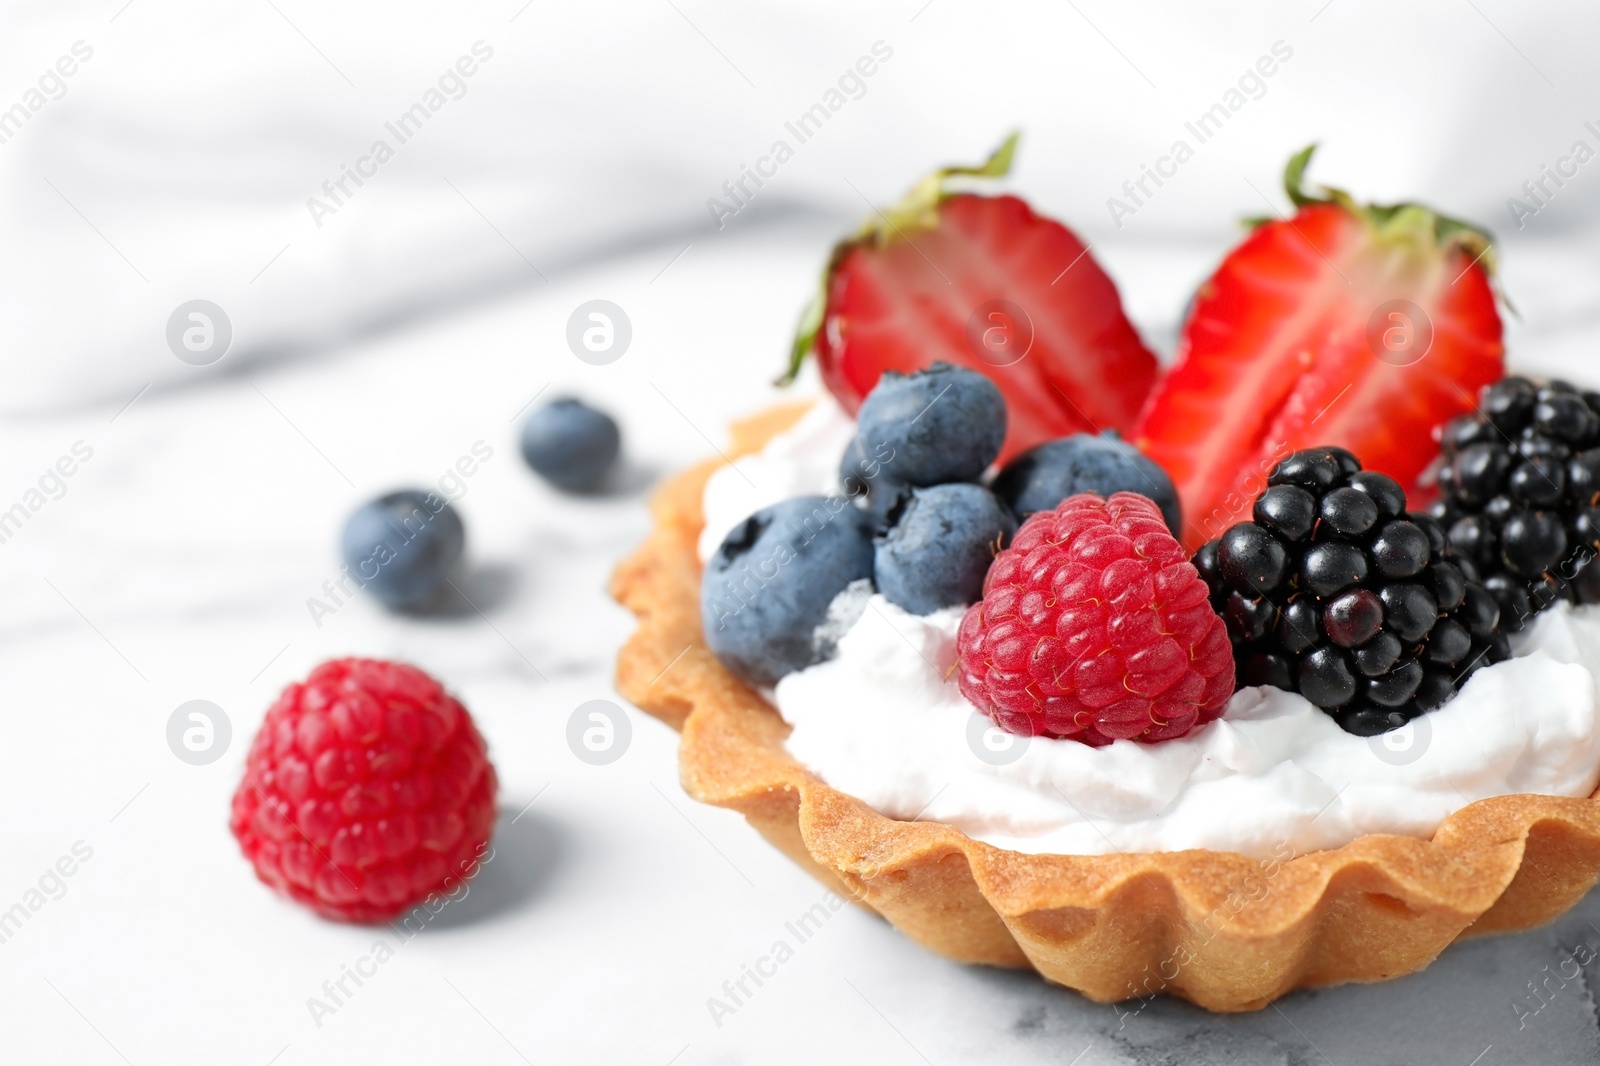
1276,355
907,304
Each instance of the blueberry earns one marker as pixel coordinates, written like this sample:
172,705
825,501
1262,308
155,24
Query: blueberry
767,589
864,476
945,423
937,553
1043,476
401,546
570,444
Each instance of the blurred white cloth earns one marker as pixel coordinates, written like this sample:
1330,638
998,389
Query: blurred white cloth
176,162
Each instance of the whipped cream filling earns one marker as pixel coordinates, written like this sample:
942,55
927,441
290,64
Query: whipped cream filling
881,722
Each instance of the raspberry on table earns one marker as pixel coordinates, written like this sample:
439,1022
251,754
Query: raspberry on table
1095,627
366,789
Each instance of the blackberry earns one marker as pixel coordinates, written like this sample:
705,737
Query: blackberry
1334,590
1519,495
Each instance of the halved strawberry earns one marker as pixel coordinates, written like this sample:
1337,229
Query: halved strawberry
911,289
1315,331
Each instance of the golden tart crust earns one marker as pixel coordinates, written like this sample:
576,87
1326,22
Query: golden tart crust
1224,931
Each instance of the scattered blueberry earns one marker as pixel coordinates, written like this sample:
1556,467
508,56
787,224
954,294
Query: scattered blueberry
940,547
570,444
1044,475
945,423
402,546
767,589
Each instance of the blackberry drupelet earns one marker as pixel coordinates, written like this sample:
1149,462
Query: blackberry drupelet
1335,591
1520,495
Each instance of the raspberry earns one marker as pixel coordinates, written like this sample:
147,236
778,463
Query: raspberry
1095,627
366,789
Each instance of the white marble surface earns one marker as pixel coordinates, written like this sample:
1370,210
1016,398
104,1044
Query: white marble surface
177,567
178,563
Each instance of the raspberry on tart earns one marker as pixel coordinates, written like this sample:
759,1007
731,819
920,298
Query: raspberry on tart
1368,908
1095,627
366,789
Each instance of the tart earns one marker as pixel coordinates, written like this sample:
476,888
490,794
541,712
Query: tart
1224,931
